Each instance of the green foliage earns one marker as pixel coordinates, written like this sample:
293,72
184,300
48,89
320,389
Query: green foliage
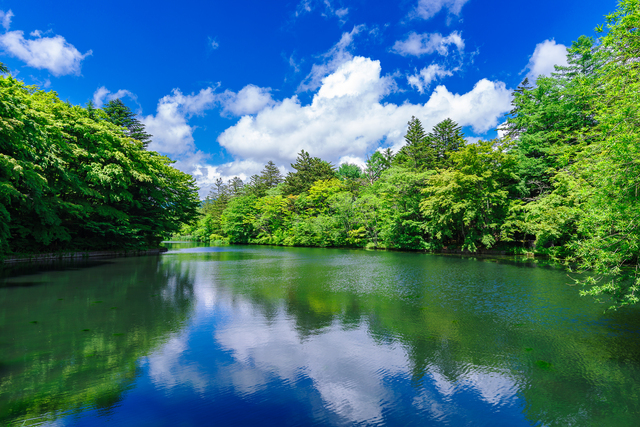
399,191
563,181
378,163
417,153
70,181
307,171
120,115
349,171
236,219
445,138
609,170
469,202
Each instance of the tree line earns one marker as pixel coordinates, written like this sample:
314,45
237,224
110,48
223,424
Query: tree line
562,181
80,178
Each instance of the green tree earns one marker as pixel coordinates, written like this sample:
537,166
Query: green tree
416,154
270,175
608,168
349,171
69,181
307,171
120,114
445,138
376,164
467,204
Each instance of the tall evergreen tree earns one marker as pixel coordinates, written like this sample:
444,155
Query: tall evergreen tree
445,138
308,170
119,114
416,154
270,175
235,186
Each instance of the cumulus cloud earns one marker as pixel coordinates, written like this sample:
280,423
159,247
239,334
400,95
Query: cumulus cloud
171,132
427,43
102,95
249,100
5,19
50,53
347,118
173,135
426,76
546,55
334,58
426,9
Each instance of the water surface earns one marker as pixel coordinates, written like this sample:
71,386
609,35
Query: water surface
295,336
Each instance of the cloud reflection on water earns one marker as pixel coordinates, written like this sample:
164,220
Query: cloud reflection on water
354,375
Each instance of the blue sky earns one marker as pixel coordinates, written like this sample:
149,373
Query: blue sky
225,86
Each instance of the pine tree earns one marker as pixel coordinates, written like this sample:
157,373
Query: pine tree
270,175
235,186
119,114
445,138
308,170
416,154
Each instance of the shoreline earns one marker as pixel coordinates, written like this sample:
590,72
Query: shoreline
80,255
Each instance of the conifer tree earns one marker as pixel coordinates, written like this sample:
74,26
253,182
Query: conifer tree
416,154
119,114
270,175
308,170
445,138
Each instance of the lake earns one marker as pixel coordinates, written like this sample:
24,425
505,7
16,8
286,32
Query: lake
248,335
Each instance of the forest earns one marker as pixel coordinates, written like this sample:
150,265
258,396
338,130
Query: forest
561,181
76,178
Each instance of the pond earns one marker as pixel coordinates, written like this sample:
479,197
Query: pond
247,335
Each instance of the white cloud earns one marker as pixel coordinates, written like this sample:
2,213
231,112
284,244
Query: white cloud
334,58
102,95
307,6
5,19
341,13
502,131
426,9
545,56
51,53
171,132
249,100
347,117
353,160
427,43
213,43
293,64
426,76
